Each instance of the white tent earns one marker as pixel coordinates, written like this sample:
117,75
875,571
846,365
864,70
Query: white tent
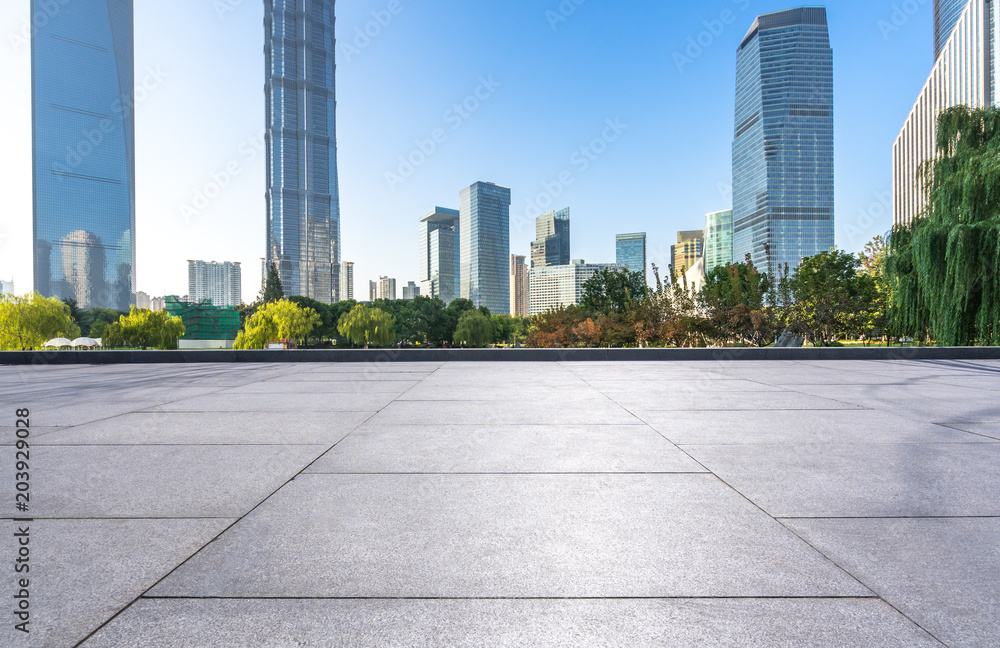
58,343
86,342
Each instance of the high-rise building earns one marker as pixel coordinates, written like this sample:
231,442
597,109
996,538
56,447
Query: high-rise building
630,251
519,284
157,304
83,146
690,246
485,246
946,15
554,287
346,280
386,289
219,282
965,74
372,291
718,239
783,202
439,254
7,287
411,291
551,245
303,200
143,300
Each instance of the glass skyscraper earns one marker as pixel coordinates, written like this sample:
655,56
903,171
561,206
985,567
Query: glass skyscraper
946,15
83,153
485,246
630,251
551,244
439,254
303,200
719,239
783,201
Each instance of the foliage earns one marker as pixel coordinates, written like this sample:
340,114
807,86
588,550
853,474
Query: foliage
272,290
613,291
509,329
281,320
943,271
144,329
735,301
475,329
555,329
27,322
875,320
830,297
96,320
368,326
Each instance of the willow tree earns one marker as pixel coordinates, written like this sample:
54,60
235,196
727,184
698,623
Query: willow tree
944,269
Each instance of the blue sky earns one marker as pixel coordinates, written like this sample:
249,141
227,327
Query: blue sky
611,108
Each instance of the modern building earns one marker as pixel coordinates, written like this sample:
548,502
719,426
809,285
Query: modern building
554,287
143,300
372,291
386,289
551,245
783,202
83,152
219,282
719,239
7,287
965,73
346,280
485,246
519,285
439,254
303,200
411,291
690,247
630,251
946,15
157,304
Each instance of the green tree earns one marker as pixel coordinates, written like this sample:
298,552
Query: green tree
734,300
144,329
875,318
272,290
829,297
327,327
29,321
944,270
367,326
613,291
474,329
280,320
95,320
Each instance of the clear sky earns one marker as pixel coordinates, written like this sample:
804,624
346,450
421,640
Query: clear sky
551,76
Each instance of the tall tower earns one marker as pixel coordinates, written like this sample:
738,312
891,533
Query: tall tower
783,202
83,153
485,246
439,252
303,198
551,245
946,15
630,251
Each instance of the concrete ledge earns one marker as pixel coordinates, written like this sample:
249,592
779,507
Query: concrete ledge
22,358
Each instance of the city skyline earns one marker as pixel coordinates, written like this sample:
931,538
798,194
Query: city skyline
527,184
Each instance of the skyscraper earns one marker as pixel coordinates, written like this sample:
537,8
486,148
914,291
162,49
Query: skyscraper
485,246
630,251
220,282
690,247
411,291
719,239
303,200
83,152
518,286
346,280
551,245
783,148
386,289
946,15
439,252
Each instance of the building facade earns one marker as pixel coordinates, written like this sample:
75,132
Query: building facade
946,16
7,287
411,291
554,287
718,239
551,244
690,247
143,300
484,251
372,291
386,289
219,282
346,280
439,254
303,199
630,251
783,171
519,286
964,74
83,153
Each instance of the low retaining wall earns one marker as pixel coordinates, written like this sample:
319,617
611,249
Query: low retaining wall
493,355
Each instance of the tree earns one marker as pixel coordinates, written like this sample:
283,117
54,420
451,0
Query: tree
613,291
272,290
144,329
475,329
368,326
509,329
734,300
281,320
327,327
27,322
875,318
829,297
95,320
943,270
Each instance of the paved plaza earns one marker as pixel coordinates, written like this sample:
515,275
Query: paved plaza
679,504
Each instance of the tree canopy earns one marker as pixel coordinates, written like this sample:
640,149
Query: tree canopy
475,329
367,326
612,290
29,321
144,329
280,320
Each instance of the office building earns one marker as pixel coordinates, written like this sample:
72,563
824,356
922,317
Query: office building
551,245
964,74
411,291
157,304
484,252
303,201
783,202
143,300
519,286
946,16
690,247
630,251
346,280
554,287
372,291
83,146
219,282
719,239
7,287
439,254
386,289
